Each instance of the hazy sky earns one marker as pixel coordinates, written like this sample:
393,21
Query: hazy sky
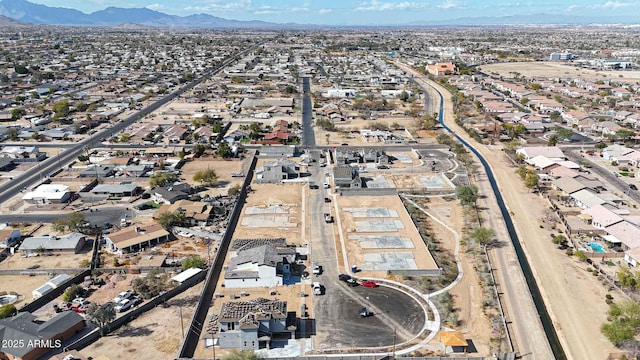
361,12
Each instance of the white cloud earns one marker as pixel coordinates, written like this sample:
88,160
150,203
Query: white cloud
448,4
375,5
613,5
220,5
571,7
325,11
157,7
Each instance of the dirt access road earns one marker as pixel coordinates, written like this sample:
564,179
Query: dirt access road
574,300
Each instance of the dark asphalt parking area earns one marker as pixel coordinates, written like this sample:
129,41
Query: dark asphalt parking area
341,326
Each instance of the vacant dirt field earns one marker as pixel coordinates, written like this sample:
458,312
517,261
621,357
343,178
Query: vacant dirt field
553,70
57,261
223,169
155,335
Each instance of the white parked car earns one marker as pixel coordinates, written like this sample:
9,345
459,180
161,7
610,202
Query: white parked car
123,305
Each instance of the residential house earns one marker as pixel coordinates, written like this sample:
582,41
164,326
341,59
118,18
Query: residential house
70,243
116,190
606,127
136,238
48,193
623,234
276,171
97,171
169,194
26,330
567,185
23,153
254,324
175,133
260,263
602,217
551,152
345,176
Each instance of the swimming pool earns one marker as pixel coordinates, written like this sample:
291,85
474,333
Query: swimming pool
597,247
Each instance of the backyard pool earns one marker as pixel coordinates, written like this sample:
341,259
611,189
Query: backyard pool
597,247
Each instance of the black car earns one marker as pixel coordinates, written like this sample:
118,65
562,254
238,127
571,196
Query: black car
344,277
314,186
633,187
327,200
364,312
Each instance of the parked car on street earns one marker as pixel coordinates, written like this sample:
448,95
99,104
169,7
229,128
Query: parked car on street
368,283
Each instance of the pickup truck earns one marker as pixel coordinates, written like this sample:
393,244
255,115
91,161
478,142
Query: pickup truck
328,218
317,288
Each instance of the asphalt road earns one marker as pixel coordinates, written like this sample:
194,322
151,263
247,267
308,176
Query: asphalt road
308,135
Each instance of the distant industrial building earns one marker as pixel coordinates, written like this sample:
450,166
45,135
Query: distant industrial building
566,56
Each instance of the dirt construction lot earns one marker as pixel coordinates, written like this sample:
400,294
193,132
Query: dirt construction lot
23,285
281,204
554,70
353,219
223,169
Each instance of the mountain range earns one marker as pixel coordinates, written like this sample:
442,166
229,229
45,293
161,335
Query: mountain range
28,12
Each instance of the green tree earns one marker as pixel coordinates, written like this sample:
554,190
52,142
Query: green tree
152,284
161,179
224,150
553,140
12,133
234,190
531,180
524,101
73,222
522,171
626,277
483,235
101,315
73,292
624,322
18,113
564,133
467,194
7,311
601,146
168,219
61,109
192,262
199,150
207,176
